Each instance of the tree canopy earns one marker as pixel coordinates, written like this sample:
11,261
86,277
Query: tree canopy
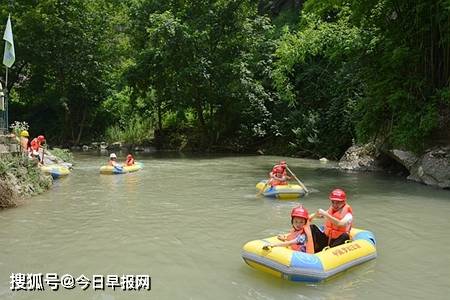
306,78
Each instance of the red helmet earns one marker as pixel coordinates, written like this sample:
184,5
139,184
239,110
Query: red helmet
337,195
41,138
300,211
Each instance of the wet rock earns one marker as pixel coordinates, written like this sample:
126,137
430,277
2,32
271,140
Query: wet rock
85,148
360,158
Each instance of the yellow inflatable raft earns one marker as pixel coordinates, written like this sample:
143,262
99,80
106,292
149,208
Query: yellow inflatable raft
110,170
282,192
299,266
56,171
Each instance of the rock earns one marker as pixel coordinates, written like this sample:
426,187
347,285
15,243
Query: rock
323,160
260,152
115,146
85,147
360,158
406,158
149,149
4,148
432,168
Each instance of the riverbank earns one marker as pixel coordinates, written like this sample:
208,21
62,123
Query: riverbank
20,177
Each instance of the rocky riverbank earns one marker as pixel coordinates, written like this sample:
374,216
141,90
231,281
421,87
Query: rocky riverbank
20,177
431,167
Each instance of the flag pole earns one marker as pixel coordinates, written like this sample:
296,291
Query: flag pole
6,101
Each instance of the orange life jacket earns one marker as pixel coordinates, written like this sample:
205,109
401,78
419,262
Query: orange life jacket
278,172
35,144
130,162
332,230
293,234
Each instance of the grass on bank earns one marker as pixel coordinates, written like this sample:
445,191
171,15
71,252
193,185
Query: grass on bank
135,132
19,177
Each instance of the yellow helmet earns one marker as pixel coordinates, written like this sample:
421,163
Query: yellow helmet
24,133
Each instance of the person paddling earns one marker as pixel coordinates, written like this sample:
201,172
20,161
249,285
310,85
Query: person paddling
338,220
278,175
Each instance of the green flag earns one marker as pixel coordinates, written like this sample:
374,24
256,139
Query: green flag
9,56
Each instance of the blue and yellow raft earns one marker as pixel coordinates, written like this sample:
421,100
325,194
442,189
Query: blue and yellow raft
282,192
56,171
299,266
110,170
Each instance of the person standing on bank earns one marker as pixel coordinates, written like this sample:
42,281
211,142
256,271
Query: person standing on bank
338,220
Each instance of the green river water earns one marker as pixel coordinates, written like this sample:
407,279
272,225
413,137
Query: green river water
183,220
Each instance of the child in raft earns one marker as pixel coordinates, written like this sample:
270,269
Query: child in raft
300,238
130,160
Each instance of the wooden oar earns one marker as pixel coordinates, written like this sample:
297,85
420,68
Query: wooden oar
298,180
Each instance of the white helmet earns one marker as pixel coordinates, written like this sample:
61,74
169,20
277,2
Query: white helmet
112,155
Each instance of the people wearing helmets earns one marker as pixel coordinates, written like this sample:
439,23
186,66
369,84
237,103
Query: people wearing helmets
300,238
24,142
338,220
36,148
278,175
130,160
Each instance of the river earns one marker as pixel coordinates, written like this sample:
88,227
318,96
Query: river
183,220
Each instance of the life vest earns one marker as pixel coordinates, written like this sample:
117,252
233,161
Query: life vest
279,169
130,162
293,234
278,172
35,144
332,230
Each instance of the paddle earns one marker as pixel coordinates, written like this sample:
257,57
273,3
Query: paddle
262,190
298,180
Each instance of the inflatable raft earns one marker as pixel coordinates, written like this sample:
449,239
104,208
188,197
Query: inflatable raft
56,171
282,192
110,170
299,266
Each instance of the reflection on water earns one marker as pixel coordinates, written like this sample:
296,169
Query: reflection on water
184,219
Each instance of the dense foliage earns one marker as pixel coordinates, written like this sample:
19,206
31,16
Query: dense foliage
294,77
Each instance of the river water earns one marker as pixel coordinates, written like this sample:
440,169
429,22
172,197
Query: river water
183,220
